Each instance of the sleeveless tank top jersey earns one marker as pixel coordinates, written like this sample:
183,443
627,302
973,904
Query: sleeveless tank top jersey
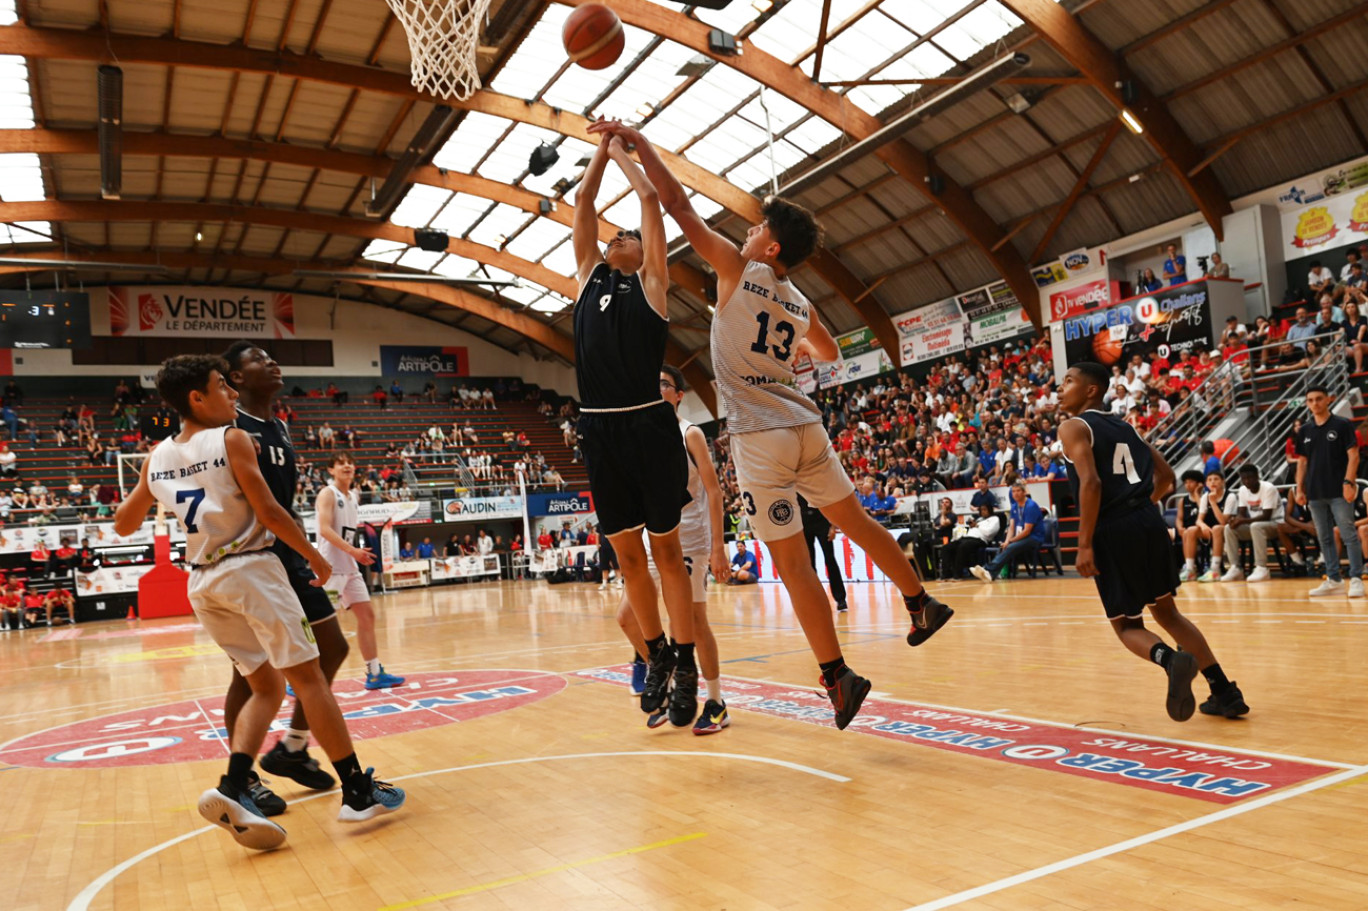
619,342
695,529
345,523
1124,465
752,341
194,481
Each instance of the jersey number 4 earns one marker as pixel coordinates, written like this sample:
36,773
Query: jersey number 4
196,497
1124,463
762,345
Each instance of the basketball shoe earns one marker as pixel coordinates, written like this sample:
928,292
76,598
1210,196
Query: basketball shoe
236,813
638,675
713,719
684,697
1231,703
365,798
847,695
382,680
266,800
658,671
1182,668
928,615
298,767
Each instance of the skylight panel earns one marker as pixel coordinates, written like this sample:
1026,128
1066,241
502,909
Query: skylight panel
454,266
650,83
383,251
537,238
626,213
562,260
460,213
678,123
704,205
792,30
16,105
18,235
21,178
927,61
422,260
751,174
732,19
614,183
578,87
8,14
419,205
977,30
783,111
552,303
537,58
813,135
499,225
529,292
469,143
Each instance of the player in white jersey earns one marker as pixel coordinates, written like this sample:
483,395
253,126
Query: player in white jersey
700,537
779,446
337,524
208,476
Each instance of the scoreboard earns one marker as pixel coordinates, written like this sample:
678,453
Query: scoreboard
44,319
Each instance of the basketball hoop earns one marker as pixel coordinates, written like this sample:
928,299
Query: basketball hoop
443,36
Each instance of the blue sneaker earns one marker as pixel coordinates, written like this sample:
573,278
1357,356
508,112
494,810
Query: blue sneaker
236,812
289,691
638,676
369,798
382,680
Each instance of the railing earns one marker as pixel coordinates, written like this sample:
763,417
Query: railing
1236,386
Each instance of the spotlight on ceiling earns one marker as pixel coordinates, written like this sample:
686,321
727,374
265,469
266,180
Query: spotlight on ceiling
542,159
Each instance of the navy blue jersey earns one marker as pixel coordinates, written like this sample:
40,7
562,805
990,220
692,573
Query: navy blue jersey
1124,465
276,458
619,342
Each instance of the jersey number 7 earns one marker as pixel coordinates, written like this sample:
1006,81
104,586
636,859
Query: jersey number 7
196,497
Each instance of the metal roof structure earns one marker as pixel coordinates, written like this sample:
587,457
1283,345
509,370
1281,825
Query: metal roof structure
254,132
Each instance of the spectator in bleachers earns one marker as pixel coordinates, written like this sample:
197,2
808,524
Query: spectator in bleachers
396,391
983,494
11,419
967,551
425,549
544,539
1355,328
487,400
380,397
406,551
452,548
430,392
1301,330
875,502
1175,266
40,560
8,462
1257,512
743,566
484,544
337,395
1217,267
1298,528
1319,280
13,394
326,436
1149,283
1025,535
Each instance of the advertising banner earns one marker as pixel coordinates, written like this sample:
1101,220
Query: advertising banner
474,509
931,316
997,327
464,567
407,513
1049,274
1172,320
1332,222
423,361
200,311
853,344
565,503
805,372
1081,299
1326,184
939,342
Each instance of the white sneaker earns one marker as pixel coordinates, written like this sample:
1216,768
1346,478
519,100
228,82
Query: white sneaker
1327,589
1356,588
1260,574
1187,574
1234,574
980,574
1298,559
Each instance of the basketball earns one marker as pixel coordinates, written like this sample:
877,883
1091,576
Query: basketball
1106,349
593,36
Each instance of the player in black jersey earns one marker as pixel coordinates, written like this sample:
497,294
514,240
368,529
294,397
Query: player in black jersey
1123,541
257,379
638,469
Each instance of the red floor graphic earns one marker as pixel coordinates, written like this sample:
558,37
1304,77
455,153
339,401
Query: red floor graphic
191,730
1207,773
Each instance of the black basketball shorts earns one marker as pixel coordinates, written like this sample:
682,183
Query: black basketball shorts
315,601
1136,563
638,468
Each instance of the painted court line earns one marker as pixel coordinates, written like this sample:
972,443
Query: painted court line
1079,860
560,868
87,895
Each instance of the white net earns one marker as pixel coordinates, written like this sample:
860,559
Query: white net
443,37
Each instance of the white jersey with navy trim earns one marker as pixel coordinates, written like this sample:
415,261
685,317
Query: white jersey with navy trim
345,522
695,528
194,481
752,345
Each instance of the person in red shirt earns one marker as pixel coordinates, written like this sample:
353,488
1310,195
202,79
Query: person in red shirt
544,540
34,602
41,559
65,557
11,605
60,598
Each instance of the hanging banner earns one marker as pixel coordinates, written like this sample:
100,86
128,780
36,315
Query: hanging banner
559,504
1082,299
853,344
924,319
997,327
423,361
203,311
474,509
1174,320
1049,274
1326,184
805,372
937,343
1333,222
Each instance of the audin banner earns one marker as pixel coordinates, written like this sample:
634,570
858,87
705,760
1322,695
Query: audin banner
420,360
200,311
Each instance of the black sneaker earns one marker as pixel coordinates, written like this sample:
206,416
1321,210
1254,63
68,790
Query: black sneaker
298,767
684,697
1181,671
847,696
841,607
658,671
1231,703
267,801
928,615
367,798
237,813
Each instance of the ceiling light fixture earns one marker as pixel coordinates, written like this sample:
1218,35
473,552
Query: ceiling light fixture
76,264
1132,122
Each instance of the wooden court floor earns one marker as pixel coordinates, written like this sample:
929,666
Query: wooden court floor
1019,760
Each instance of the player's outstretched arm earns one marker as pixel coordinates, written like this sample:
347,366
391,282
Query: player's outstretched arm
697,444
585,233
242,460
713,246
133,510
655,269
819,343
1077,442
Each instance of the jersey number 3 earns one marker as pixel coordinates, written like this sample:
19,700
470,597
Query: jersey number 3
784,328
1124,463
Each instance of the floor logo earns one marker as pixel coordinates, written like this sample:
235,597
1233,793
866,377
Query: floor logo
193,730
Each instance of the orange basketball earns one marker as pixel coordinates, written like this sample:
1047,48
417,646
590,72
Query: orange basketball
593,36
1106,349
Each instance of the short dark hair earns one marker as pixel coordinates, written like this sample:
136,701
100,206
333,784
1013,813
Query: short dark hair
676,376
1248,468
1094,372
340,456
1216,474
795,229
186,373
1208,447
1317,387
233,357
1192,476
